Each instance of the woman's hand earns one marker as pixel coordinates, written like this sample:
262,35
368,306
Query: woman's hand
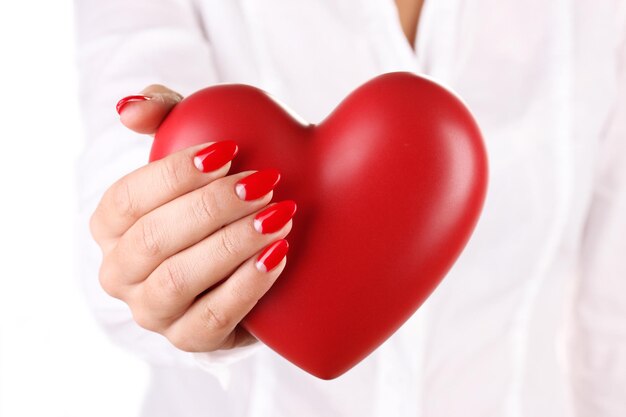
185,245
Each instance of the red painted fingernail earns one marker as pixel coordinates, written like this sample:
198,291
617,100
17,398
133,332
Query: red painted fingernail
257,184
272,255
274,217
120,104
215,155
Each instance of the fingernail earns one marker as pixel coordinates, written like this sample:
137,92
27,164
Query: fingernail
257,184
120,104
272,255
274,217
215,155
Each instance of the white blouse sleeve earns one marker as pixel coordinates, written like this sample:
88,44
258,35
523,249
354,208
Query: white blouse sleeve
597,350
122,47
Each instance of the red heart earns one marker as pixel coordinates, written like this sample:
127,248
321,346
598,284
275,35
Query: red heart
389,188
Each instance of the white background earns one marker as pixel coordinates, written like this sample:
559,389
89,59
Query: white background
54,360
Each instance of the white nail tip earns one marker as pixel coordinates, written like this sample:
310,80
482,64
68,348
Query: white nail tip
197,161
258,226
261,266
240,189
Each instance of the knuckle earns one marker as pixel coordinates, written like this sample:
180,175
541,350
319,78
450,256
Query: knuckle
205,207
107,277
146,320
228,243
148,239
121,200
171,280
214,320
172,174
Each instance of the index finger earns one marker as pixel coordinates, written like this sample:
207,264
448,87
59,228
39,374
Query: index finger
157,183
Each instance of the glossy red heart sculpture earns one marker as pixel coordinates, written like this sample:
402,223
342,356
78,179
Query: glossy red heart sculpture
389,188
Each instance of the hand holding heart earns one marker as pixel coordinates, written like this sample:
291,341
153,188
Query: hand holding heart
179,226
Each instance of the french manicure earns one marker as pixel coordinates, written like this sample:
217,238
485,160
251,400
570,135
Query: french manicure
257,184
215,155
274,217
272,255
120,104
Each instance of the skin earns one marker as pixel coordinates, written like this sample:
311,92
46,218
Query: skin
409,14
168,238
178,245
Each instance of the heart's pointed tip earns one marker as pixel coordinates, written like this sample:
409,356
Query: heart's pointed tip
327,375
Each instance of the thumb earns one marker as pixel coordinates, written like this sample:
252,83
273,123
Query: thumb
144,113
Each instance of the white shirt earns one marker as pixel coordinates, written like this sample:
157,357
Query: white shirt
531,320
